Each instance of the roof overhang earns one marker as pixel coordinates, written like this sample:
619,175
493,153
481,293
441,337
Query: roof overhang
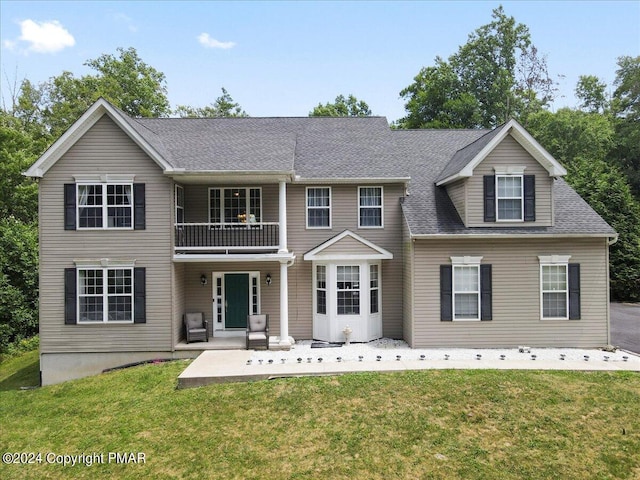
350,180
228,176
370,251
498,236
80,127
524,138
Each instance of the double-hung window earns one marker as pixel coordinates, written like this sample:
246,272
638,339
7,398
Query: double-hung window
466,292
555,291
321,289
370,207
348,289
105,295
509,198
235,205
318,207
105,205
374,289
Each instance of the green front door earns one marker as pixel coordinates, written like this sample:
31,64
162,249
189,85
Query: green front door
236,295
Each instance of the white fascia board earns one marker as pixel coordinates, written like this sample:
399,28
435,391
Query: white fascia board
527,142
316,253
234,257
82,126
350,180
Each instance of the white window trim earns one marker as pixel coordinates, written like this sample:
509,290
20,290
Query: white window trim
105,292
179,207
554,261
381,207
359,290
105,206
317,208
466,261
248,206
317,289
521,198
378,288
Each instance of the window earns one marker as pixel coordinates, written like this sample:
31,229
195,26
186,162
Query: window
235,205
466,292
555,291
509,197
321,289
374,289
105,295
113,202
370,207
348,290
318,207
179,204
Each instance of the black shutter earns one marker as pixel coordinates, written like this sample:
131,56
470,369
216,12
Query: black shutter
139,206
485,293
529,198
139,295
70,296
69,206
446,293
574,291
489,198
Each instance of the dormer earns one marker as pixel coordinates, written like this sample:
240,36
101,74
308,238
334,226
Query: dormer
503,179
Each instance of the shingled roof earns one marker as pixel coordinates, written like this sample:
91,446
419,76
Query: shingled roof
346,149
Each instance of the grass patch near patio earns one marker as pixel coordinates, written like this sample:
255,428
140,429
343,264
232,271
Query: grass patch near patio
441,424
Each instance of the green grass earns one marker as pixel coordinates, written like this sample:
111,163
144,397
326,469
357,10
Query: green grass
427,425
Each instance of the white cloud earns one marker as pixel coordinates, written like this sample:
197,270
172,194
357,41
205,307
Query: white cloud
209,42
45,37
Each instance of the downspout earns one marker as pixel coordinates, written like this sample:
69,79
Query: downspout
610,241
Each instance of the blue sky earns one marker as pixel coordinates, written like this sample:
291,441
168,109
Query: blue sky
283,58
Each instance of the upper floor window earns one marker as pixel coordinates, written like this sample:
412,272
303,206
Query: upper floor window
179,204
105,205
318,207
509,204
235,205
370,207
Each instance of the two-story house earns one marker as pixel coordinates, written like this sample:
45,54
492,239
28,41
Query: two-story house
441,237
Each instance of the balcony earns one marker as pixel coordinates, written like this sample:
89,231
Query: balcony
227,238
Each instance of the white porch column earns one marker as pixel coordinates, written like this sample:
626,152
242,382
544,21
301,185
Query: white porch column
282,217
284,304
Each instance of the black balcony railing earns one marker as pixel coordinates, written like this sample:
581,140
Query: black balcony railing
225,237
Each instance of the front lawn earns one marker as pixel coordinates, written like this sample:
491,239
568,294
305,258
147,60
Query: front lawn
424,424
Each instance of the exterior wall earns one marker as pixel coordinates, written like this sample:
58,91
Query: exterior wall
516,294
509,153
198,298
407,284
196,201
179,305
105,149
344,211
458,194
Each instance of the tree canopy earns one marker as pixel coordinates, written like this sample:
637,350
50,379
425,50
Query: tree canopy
496,75
223,106
342,107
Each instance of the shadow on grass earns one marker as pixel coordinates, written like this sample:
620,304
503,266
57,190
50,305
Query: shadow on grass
23,371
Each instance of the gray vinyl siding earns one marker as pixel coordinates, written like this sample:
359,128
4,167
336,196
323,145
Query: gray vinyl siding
105,149
198,298
348,245
407,284
509,153
344,212
516,294
179,305
457,193
196,201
